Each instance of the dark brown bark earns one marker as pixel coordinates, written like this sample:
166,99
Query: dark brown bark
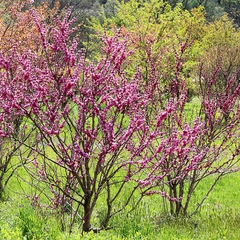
87,214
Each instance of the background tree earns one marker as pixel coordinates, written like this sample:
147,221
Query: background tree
17,26
221,48
156,28
233,9
17,32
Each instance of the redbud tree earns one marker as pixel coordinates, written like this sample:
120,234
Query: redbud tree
82,119
189,146
96,131
186,147
17,29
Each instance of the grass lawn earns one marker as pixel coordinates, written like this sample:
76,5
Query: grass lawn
218,218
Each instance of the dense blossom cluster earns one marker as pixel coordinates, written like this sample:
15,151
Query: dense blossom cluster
90,126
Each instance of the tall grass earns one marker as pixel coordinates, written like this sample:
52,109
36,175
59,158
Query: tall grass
218,218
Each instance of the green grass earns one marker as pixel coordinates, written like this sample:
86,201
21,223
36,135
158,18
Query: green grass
218,218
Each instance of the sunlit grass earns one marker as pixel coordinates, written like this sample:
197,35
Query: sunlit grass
217,218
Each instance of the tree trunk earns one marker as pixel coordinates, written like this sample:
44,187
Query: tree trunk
171,202
87,214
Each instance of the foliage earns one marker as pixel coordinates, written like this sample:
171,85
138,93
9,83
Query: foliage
17,26
232,7
103,131
155,28
221,44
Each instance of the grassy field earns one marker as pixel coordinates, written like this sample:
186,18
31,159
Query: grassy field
218,218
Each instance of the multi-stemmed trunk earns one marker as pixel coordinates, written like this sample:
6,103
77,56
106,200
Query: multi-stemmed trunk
176,193
87,213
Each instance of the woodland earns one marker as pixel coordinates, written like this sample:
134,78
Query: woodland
119,119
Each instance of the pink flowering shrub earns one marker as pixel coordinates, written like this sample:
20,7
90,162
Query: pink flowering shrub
93,130
184,148
12,124
82,116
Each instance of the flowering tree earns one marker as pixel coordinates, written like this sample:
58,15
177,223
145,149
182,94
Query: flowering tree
81,118
17,25
17,29
96,131
185,147
188,147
